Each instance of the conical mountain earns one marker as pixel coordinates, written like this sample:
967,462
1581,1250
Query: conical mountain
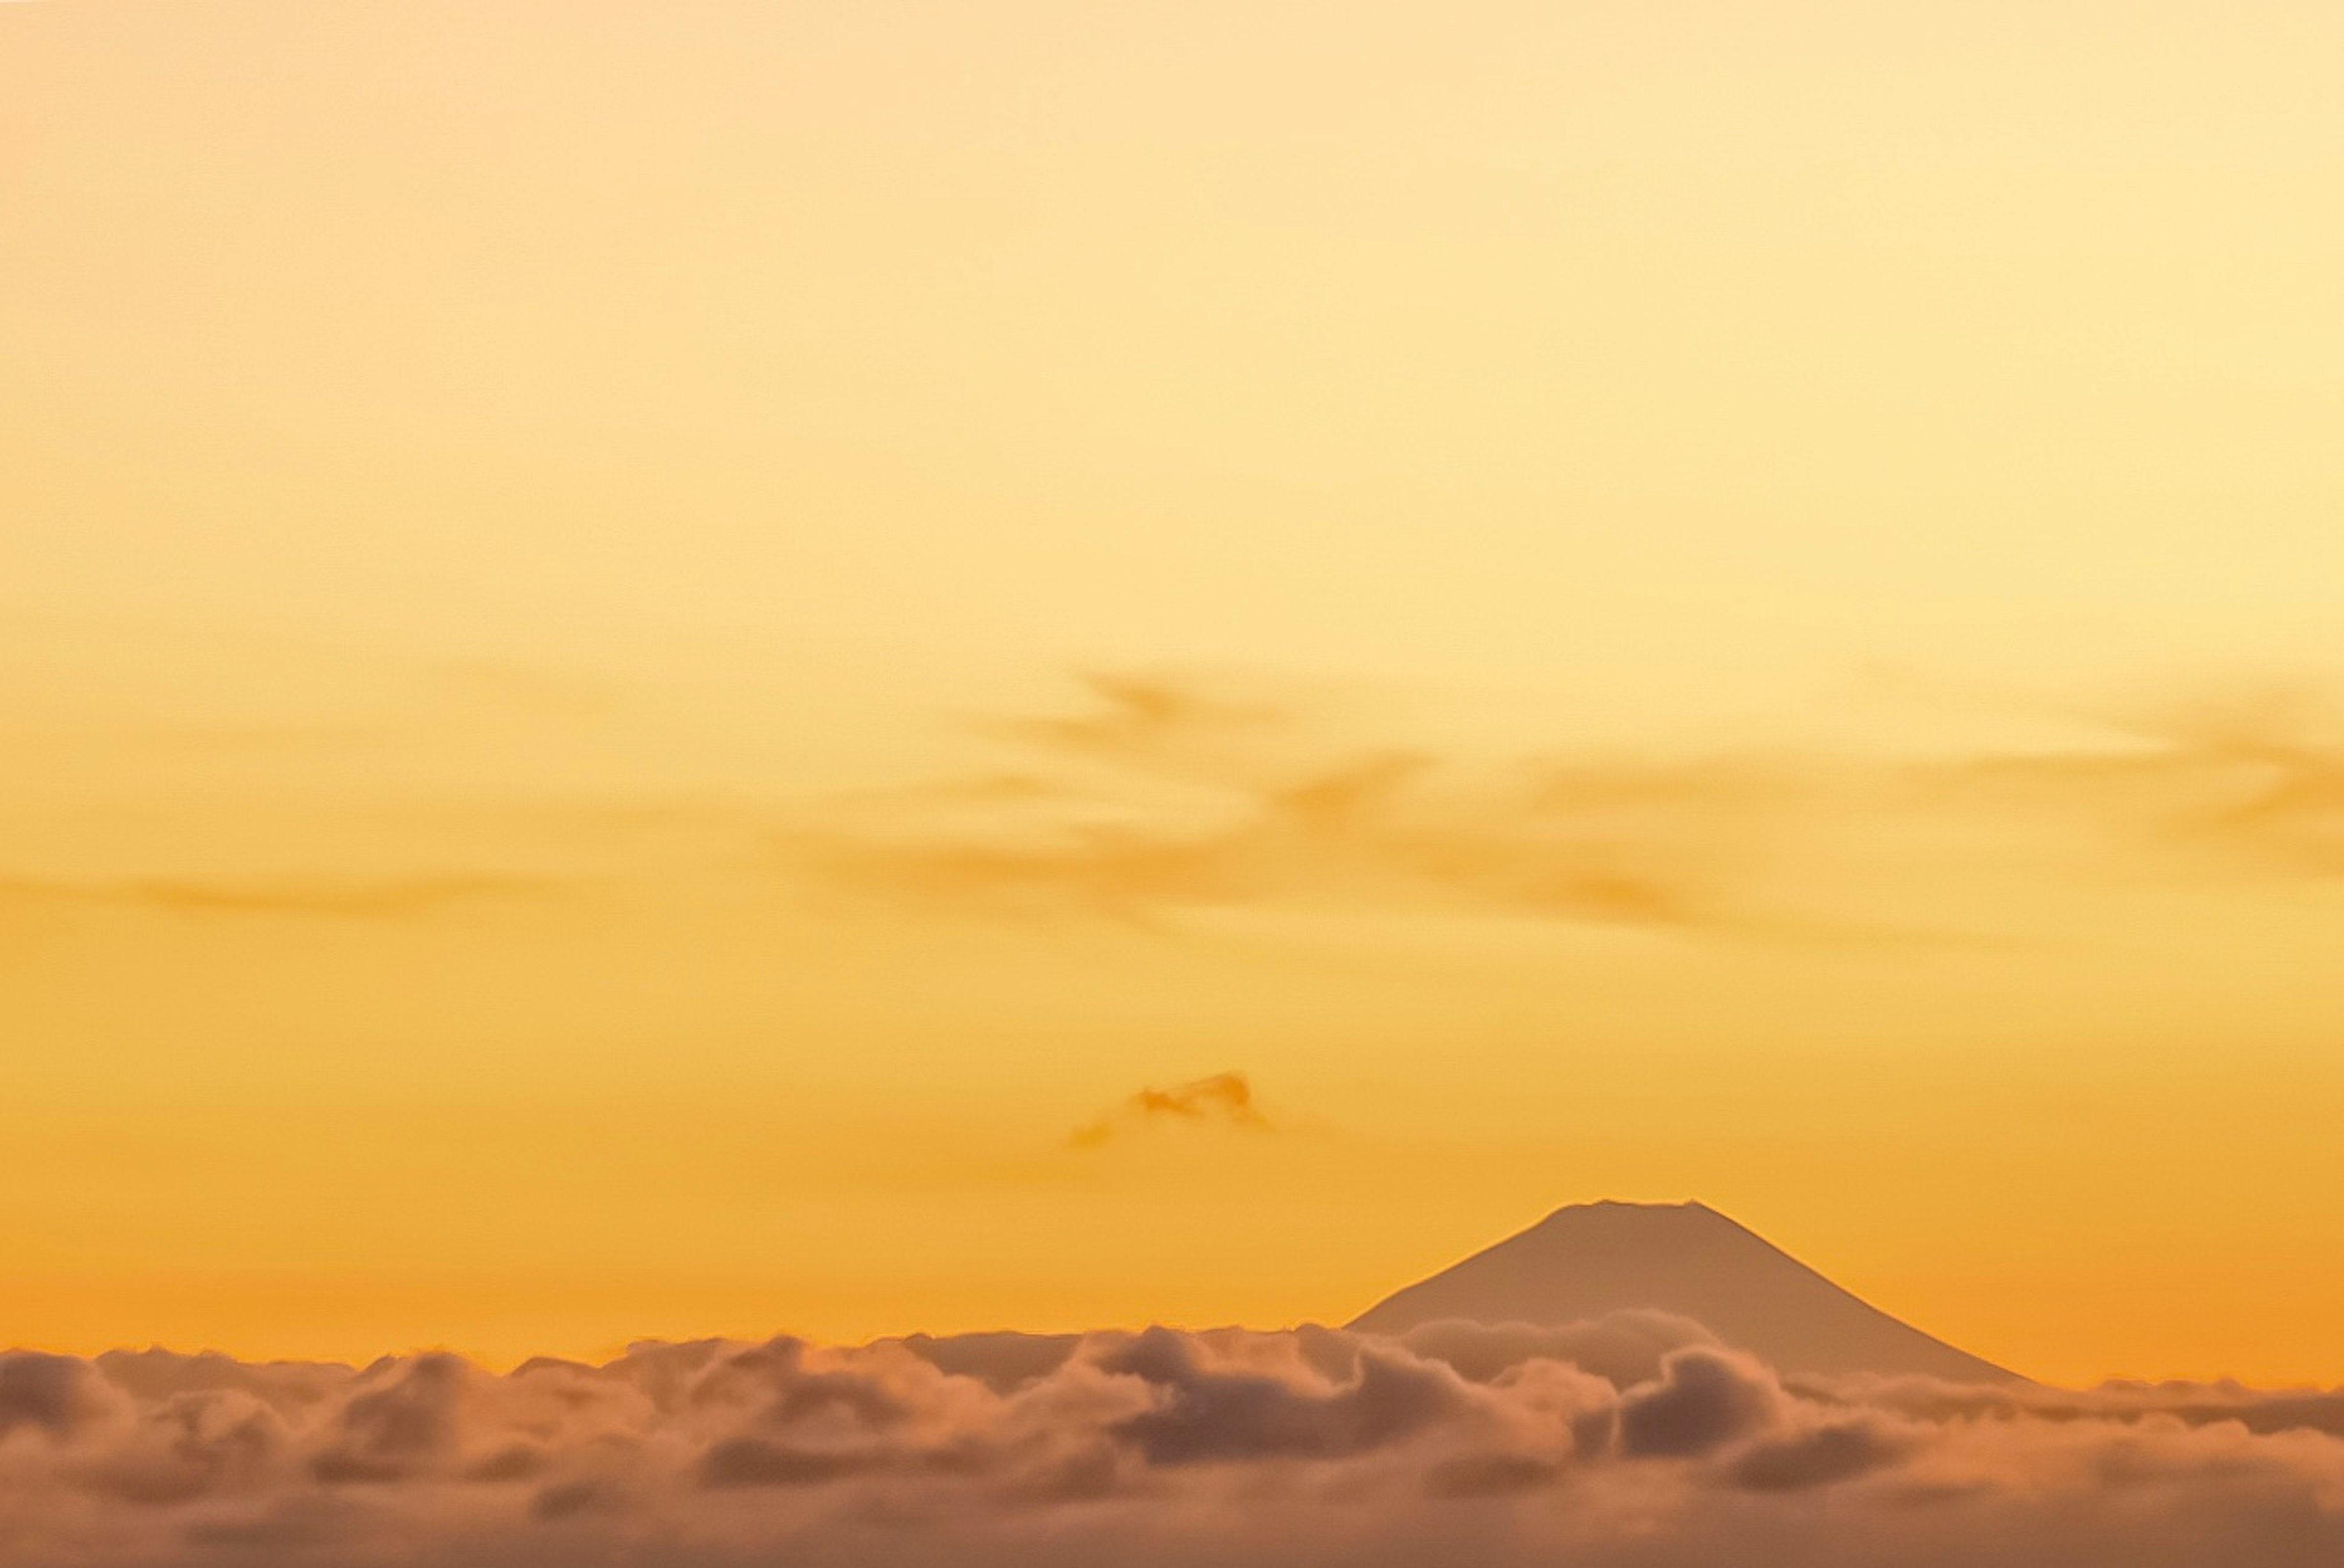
1683,1257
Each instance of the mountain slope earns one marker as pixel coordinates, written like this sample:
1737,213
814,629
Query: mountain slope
1684,1257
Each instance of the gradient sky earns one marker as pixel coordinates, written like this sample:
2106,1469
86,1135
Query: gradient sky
650,649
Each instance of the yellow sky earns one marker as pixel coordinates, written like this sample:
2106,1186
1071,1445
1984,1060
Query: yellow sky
645,648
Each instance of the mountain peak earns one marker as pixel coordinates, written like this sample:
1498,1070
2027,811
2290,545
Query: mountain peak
1689,1205
1586,1259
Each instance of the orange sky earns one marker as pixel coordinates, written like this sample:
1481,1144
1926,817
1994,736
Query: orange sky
650,649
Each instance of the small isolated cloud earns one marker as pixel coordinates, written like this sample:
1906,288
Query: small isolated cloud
1225,1098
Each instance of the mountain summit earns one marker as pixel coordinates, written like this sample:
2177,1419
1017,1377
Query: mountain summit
1684,1257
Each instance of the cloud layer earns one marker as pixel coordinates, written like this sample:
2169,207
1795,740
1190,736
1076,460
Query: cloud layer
1636,1441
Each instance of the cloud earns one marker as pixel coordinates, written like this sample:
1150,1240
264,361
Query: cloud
1247,1450
1702,1399
1224,1097
1163,795
1626,1347
1823,1456
1144,715
399,1429
1004,1362
340,899
2252,772
1200,1412
54,1393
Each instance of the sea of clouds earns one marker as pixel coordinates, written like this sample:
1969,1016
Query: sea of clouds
1634,1440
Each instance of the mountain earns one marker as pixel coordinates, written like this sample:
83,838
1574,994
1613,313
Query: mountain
1684,1257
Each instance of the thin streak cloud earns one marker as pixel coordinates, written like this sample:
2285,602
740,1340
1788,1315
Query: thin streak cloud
336,898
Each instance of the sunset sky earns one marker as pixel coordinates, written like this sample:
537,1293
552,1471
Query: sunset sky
694,668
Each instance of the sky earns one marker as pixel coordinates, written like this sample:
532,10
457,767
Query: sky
862,668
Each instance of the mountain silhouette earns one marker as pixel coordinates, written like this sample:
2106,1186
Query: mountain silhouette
1684,1257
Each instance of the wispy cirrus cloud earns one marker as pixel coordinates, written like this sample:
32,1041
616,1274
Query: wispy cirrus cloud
2252,774
1161,794
1158,795
1165,794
